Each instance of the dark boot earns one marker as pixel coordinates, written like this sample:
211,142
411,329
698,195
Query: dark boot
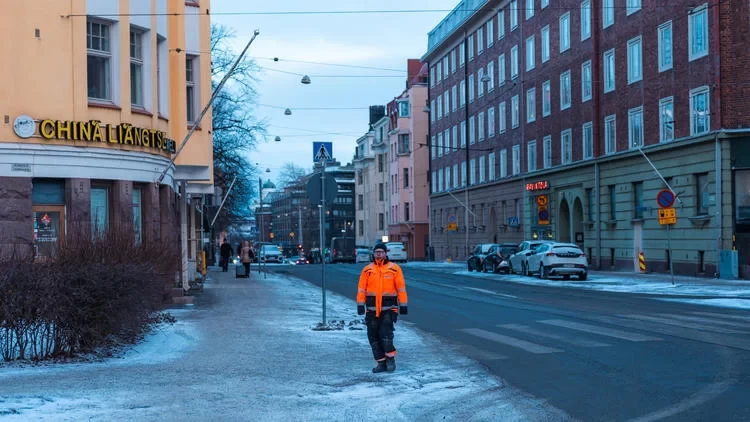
390,364
380,368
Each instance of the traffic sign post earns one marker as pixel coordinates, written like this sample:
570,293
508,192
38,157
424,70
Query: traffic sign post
665,198
667,216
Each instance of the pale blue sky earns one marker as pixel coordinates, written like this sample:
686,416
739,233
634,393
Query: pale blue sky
383,40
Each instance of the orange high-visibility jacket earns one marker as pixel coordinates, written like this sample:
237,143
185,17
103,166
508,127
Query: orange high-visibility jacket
382,287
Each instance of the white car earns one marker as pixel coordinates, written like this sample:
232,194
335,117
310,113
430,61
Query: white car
563,259
517,261
396,251
270,253
362,254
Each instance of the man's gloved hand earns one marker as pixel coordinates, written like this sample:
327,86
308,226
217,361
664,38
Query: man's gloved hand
403,310
360,309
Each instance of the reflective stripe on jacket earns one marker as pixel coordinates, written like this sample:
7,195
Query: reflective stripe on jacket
381,287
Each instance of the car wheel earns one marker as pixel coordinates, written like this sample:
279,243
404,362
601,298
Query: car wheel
524,269
543,272
510,267
583,276
470,269
541,269
495,269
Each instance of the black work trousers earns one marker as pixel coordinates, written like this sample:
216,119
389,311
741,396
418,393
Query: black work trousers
380,333
224,263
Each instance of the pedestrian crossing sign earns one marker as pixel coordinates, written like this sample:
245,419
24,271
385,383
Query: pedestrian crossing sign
322,151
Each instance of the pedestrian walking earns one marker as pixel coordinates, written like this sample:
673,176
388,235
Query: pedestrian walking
246,256
381,297
226,253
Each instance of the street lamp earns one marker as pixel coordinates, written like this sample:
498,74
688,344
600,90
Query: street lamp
277,139
306,80
287,112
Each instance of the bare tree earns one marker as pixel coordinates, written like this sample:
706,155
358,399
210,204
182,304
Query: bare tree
236,130
290,172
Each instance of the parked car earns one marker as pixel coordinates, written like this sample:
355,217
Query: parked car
497,257
301,260
396,251
563,259
270,253
476,259
517,262
362,254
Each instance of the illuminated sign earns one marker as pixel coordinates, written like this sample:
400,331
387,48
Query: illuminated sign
95,132
540,185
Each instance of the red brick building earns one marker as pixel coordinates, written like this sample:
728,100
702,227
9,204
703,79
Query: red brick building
558,113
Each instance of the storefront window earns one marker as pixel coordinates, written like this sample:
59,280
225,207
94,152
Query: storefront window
742,200
99,211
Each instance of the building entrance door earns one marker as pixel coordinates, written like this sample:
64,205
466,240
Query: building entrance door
637,244
49,229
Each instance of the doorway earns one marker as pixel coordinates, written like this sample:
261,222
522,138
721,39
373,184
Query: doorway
637,244
49,229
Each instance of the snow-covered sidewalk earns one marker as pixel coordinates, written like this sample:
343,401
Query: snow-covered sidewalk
248,350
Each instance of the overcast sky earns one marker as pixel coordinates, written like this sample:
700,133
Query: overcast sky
382,40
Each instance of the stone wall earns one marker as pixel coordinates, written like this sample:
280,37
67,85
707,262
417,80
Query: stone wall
16,219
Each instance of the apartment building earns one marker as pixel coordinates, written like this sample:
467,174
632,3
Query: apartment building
408,163
564,120
97,97
371,173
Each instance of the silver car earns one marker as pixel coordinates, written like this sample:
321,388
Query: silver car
396,251
518,261
270,253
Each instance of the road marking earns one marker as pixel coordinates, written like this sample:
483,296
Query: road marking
511,341
608,332
734,317
684,324
490,292
734,324
539,333
477,353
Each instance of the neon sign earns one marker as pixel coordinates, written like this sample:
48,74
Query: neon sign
540,185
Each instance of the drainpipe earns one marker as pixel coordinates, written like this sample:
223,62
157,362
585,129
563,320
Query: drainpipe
466,138
718,189
596,13
719,124
597,210
428,142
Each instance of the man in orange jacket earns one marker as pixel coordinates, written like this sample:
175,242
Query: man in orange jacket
382,293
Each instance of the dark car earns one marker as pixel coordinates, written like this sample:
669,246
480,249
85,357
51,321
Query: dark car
301,260
497,257
476,259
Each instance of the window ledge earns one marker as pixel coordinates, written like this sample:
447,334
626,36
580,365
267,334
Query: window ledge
700,220
637,220
190,126
163,117
588,222
610,222
143,111
103,104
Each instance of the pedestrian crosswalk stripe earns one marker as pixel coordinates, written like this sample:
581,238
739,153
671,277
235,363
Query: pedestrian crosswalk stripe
511,341
608,332
733,317
539,333
734,324
685,324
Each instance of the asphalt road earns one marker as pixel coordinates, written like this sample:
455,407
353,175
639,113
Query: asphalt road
595,355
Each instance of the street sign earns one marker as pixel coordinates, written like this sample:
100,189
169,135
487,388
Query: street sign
542,200
270,235
543,215
667,216
512,221
451,218
314,189
452,227
322,151
665,198
291,234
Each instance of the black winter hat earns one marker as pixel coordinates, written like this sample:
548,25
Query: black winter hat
379,245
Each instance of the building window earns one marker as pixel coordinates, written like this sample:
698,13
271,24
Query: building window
586,82
439,103
453,61
454,138
590,204
635,127
480,41
137,216
481,169
471,47
403,143
480,129
565,90
472,171
433,108
633,6
610,134
566,146
491,73
514,111
588,140
564,32
99,211
381,221
546,99
699,111
529,9
585,19
360,202
545,44
407,214
471,88
190,80
433,149
360,178
608,13
480,82
531,156
516,159
502,119
462,93
514,62
513,15
531,105
701,194
490,33
455,176
503,163
638,200
463,133
612,203
136,68
635,65
545,3
547,151
666,119
361,227
609,70
463,173
433,182
530,52
665,46
500,24
99,60
454,98
472,130
491,166
461,54
440,150
491,122
403,108
698,32
381,192
501,70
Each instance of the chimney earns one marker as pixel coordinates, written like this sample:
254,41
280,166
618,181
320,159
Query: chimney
376,113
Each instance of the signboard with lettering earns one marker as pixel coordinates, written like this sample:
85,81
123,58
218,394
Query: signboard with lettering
667,216
539,185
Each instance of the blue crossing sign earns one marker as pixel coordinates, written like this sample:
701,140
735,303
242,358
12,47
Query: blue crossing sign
322,151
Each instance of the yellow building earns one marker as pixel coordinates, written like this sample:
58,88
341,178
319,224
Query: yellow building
95,98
